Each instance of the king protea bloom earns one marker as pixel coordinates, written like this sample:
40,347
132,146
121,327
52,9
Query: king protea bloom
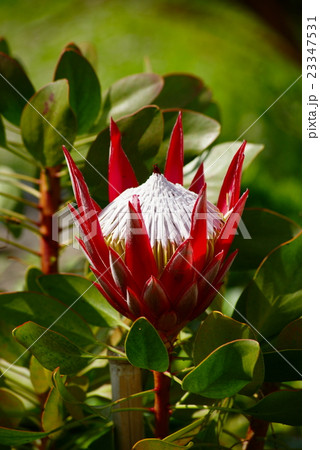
159,250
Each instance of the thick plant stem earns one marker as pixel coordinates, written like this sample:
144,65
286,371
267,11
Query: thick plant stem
161,404
256,434
49,203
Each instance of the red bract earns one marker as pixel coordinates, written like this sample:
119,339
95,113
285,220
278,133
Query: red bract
159,250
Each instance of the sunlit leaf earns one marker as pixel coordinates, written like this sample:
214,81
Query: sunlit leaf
144,347
51,349
48,122
225,371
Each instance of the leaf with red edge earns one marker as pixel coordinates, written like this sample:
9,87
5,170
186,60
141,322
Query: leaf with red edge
174,163
139,256
121,175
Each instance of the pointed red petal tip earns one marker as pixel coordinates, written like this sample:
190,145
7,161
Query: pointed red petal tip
229,229
230,190
121,174
174,164
198,180
198,231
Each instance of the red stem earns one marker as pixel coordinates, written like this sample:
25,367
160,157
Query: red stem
48,204
161,404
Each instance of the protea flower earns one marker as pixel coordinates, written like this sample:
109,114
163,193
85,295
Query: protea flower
159,250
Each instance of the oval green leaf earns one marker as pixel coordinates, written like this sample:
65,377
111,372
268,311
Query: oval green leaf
15,89
18,307
280,407
179,90
48,122
144,347
50,348
225,371
88,302
85,92
131,93
154,444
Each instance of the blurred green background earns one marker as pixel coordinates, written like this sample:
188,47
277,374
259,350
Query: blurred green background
246,52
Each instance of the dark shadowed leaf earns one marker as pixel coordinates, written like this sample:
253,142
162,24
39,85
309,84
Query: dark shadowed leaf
88,301
15,88
266,230
144,347
285,365
154,444
11,408
225,371
4,46
31,277
48,123
179,90
131,93
18,307
273,298
281,407
85,94
50,348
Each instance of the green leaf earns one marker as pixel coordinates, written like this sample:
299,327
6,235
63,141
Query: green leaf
280,407
142,134
11,408
131,93
144,347
92,306
216,330
284,365
225,371
154,444
85,93
31,277
291,336
7,203
50,348
216,163
4,46
2,134
39,376
179,90
15,438
48,122
273,298
199,131
52,415
15,88
267,230
18,307
10,349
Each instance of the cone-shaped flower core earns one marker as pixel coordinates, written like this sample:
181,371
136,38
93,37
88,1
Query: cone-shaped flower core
166,209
